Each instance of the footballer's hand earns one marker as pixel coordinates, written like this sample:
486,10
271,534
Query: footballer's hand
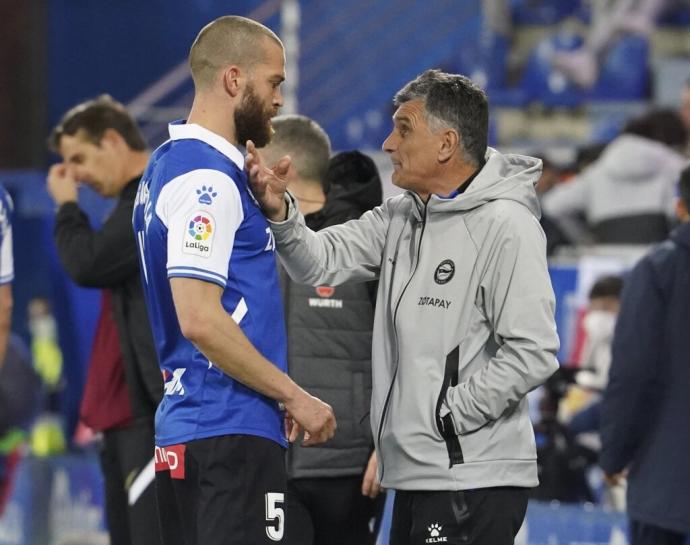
371,486
268,184
312,415
62,184
292,428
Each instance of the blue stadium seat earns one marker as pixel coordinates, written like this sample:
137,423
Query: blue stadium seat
624,74
542,12
677,16
545,84
484,61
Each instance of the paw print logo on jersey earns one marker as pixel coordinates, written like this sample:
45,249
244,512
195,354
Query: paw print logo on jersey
206,194
200,227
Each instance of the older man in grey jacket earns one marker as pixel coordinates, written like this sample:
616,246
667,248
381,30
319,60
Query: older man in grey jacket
464,324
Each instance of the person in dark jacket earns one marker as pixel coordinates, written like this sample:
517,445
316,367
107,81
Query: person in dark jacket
102,147
646,404
331,487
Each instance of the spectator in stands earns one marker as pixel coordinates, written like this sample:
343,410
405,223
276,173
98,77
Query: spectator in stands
646,404
610,20
102,147
627,196
591,379
330,487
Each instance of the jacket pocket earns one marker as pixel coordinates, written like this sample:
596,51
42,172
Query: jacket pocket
445,423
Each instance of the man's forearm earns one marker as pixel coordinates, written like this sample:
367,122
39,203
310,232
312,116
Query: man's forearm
5,318
226,346
205,323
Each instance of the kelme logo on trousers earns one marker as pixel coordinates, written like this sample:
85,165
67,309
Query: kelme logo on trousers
444,272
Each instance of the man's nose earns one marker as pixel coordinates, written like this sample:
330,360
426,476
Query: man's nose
278,99
390,143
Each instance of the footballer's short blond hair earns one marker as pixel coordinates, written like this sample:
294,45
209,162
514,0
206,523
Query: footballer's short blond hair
227,40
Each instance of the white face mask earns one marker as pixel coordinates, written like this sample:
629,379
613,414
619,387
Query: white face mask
596,357
599,325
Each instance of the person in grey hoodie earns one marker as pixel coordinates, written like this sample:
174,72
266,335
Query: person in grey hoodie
628,195
464,324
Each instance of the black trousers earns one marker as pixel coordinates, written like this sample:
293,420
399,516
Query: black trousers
485,516
130,492
331,511
642,533
228,490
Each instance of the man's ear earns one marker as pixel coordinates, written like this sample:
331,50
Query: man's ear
682,212
232,80
449,143
112,138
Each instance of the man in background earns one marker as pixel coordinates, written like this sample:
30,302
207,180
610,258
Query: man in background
330,487
102,147
646,403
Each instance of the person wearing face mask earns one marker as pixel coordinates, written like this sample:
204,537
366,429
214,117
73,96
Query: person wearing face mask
582,404
599,323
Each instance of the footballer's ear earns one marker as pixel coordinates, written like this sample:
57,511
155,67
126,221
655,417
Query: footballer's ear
233,80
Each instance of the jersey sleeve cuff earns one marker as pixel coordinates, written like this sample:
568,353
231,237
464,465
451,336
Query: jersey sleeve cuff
199,274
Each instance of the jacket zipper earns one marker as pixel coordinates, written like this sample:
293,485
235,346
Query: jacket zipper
395,315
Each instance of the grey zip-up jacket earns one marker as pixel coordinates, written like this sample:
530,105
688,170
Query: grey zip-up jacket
464,324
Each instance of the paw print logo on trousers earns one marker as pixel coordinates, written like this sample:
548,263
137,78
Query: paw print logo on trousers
206,194
435,530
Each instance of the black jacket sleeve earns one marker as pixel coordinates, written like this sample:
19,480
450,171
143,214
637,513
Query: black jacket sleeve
631,397
96,259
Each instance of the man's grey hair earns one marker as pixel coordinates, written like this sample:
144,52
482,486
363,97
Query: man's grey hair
453,102
304,141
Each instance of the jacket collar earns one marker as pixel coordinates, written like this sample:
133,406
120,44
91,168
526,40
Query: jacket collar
681,235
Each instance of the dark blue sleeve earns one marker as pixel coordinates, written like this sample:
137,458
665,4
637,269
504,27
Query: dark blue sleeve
630,397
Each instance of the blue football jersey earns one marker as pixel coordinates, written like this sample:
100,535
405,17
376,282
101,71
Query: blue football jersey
6,257
195,217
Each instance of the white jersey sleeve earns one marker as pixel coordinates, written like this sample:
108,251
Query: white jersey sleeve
6,257
201,210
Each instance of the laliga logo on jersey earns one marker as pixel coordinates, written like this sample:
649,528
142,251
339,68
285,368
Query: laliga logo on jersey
199,234
200,227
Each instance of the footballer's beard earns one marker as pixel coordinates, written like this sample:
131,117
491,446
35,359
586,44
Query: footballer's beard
253,121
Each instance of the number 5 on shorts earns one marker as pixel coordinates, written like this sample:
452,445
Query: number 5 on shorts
275,513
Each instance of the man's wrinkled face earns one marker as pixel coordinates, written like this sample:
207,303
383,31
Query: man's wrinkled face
96,165
413,148
262,97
